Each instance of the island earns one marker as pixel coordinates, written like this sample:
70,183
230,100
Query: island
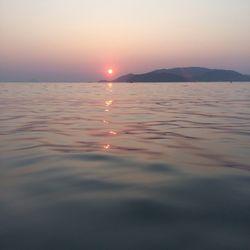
188,74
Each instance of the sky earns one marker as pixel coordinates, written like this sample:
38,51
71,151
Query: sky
77,40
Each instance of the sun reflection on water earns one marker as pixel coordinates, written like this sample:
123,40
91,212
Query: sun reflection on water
112,132
108,103
107,146
105,121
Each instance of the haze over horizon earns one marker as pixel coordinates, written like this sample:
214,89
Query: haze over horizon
54,40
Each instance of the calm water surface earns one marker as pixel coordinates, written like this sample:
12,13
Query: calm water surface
124,166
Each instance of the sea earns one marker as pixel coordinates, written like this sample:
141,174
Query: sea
124,166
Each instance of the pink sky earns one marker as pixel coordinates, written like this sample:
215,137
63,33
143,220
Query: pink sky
54,40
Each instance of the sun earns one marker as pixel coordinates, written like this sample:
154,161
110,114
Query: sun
110,71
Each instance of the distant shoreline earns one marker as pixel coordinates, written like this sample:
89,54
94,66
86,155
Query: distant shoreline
175,75
188,74
102,82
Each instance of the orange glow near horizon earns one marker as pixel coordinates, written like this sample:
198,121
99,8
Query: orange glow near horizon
110,71
109,40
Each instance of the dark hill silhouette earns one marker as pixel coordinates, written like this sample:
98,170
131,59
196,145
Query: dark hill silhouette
191,74
223,75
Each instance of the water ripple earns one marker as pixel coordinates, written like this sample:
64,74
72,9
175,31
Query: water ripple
124,166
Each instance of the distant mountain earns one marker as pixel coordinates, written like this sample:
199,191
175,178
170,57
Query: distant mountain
191,74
